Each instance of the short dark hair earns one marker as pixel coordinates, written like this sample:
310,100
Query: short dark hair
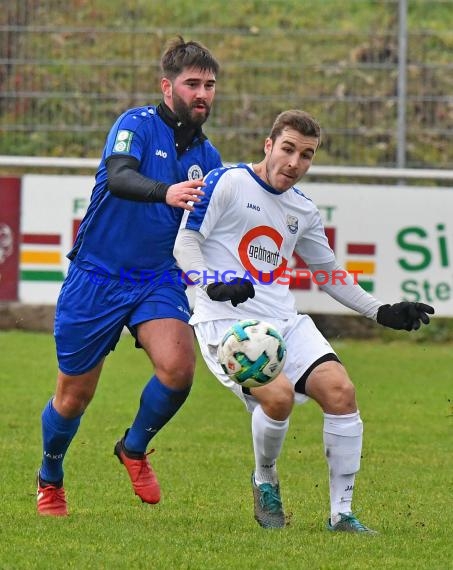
298,120
180,54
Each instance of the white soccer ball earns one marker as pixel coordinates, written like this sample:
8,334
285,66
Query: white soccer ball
252,353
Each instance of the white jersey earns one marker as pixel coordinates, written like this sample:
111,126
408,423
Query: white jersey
251,231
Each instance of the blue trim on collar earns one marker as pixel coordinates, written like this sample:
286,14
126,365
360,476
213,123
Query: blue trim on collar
261,182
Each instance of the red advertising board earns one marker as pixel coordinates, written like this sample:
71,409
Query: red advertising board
9,237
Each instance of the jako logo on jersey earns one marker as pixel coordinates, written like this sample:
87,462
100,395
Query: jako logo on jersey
244,253
293,223
194,172
253,206
161,153
183,310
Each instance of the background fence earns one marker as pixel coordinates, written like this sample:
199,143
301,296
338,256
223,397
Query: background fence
377,74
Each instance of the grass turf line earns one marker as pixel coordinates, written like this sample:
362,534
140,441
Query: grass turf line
204,460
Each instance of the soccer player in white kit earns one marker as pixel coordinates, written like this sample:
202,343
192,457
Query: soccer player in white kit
236,245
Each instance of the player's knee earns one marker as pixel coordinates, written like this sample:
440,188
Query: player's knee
178,375
340,398
277,403
72,405
330,386
335,396
183,376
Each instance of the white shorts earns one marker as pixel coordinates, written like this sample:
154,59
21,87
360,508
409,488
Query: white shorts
305,345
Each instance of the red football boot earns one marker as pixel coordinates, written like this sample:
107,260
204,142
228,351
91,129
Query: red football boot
142,476
51,500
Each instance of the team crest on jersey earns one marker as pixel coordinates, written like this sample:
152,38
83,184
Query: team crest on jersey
194,172
293,223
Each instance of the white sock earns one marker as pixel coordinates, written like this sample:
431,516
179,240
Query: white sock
343,448
268,437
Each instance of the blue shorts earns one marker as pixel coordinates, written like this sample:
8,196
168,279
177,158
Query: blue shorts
91,314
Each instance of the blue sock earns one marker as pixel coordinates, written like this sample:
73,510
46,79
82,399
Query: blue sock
158,404
57,434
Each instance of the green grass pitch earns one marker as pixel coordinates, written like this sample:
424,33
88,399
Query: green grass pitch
204,459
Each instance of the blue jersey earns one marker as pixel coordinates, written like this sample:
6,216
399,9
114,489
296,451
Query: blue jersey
121,236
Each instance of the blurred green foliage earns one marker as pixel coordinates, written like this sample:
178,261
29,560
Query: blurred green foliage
68,70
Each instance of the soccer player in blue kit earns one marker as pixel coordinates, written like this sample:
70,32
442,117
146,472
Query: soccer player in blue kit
123,273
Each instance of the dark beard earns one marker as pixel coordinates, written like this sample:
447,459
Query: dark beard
184,114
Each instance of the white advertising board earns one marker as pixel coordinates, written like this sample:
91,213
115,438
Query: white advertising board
52,208
397,239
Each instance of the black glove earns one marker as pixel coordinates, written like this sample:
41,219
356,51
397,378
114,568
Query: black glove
237,291
404,315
